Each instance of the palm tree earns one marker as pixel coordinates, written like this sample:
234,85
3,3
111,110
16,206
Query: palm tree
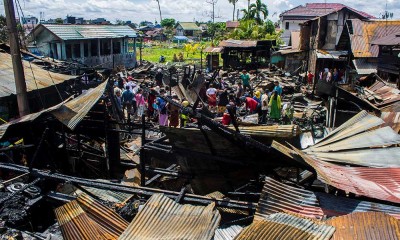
234,7
258,8
247,15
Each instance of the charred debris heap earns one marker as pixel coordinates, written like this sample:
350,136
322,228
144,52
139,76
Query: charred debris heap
332,173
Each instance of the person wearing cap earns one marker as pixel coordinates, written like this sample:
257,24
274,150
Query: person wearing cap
277,88
245,79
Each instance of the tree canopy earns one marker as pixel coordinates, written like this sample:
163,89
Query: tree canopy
168,23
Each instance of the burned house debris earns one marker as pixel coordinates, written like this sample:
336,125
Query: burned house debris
242,149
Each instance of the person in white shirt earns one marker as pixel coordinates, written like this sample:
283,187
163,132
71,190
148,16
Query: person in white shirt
264,106
212,97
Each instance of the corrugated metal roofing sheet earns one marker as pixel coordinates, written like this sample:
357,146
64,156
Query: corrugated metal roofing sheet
351,142
364,33
232,24
75,32
213,49
331,54
86,219
35,76
361,134
69,113
279,197
378,183
237,43
381,94
286,226
227,233
108,195
368,225
162,218
391,40
72,112
392,119
363,67
189,26
320,9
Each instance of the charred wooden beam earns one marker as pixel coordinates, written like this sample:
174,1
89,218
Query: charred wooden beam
148,182
143,191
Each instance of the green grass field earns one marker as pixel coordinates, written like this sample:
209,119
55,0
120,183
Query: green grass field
153,53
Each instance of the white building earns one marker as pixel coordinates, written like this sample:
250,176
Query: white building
92,45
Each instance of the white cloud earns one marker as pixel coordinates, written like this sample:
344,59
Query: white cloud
138,10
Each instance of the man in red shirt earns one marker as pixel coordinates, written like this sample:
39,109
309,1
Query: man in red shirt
251,104
310,78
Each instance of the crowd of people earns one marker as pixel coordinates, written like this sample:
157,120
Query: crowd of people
240,95
223,99
135,100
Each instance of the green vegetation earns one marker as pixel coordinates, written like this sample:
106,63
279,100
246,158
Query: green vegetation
189,52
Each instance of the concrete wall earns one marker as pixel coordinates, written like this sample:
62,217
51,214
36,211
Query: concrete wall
293,26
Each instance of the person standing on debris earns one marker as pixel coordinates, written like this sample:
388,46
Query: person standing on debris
127,100
184,114
140,103
174,112
239,93
245,80
159,77
264,107
310,78
287,113
162,109
222,101
275,104
150,100
278,88
211,97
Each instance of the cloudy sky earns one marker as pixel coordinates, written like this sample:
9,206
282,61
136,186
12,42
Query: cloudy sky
138,10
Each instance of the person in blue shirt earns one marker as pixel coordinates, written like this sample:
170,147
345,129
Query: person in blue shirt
277,88
127,99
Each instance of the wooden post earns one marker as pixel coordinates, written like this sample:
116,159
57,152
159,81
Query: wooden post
142,154
20,85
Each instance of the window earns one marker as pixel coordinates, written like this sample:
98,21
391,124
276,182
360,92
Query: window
287,25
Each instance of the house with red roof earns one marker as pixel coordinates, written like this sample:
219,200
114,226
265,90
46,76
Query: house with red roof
290,20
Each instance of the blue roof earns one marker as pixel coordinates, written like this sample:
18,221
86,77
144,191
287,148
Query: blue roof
180,38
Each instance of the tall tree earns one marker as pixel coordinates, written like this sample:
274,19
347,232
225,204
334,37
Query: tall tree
159,9
234,7
168,23
258,8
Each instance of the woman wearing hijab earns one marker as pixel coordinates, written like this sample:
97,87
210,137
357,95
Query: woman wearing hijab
275,104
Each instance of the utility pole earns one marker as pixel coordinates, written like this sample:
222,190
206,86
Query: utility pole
212,2
20,85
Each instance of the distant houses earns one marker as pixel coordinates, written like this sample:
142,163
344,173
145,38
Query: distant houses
188,29
91,45
291,19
